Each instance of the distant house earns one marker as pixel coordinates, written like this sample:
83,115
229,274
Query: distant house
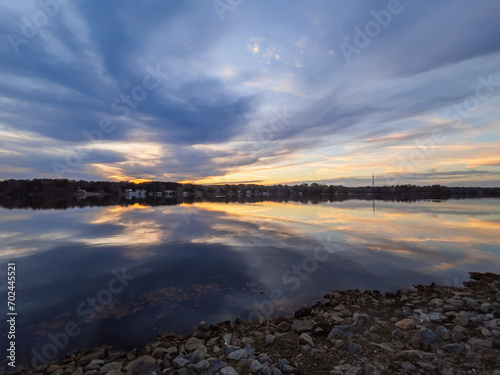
169,193
265,193
129,193
248,193
186,194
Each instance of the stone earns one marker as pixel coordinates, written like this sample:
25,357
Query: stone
354,370
228,371
238,354
462,319
78,371
397,334
193,343
353,349
255,366
305,339
443,333
454,348
198,354
480,342
158,353
334,332
405,324
373,312
408,366
270,339
284,326
427,336
301,326
142,365
96,354
110,366
180,362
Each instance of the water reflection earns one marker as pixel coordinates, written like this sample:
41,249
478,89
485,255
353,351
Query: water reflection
214,261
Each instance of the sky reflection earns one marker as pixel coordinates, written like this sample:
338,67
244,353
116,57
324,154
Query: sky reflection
214,261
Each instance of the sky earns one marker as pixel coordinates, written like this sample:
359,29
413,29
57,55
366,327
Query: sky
239,91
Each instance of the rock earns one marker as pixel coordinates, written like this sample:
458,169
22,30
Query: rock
373,312
443,333
193,343
180,362
58,372
405,324
215,365
353,370
110,366
305,339
283,326
462,319
469,302
238,354
454,348
238,321
270,339
397,334
408,366
97,354
228,371
334,332
427,336
142,365
158,353
198,354
255,366
301,326
78,371
171,351
353,349
480,342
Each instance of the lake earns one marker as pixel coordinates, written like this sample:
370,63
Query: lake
120,275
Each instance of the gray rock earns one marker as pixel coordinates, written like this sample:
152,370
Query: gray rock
284,326
353,349
215,365
373,312
142,365
78,371
462,319
354,370
96,354
198,354
397,334
203,364
443,333
469,302
480,342
193,343
58,372
249,348
427,336
238,354
270,339
408,366
114,372
158,353
301,326
110,366
228,371
180,362
255,366
171,351
305,339
334,332
454,348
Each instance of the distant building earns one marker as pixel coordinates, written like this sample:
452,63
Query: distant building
129,193
248,193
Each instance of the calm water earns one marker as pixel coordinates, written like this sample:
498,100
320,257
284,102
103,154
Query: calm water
213,261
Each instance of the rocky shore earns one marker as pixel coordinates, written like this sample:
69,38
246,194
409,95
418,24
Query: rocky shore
420,330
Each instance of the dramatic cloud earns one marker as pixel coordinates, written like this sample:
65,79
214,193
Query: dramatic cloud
275,92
